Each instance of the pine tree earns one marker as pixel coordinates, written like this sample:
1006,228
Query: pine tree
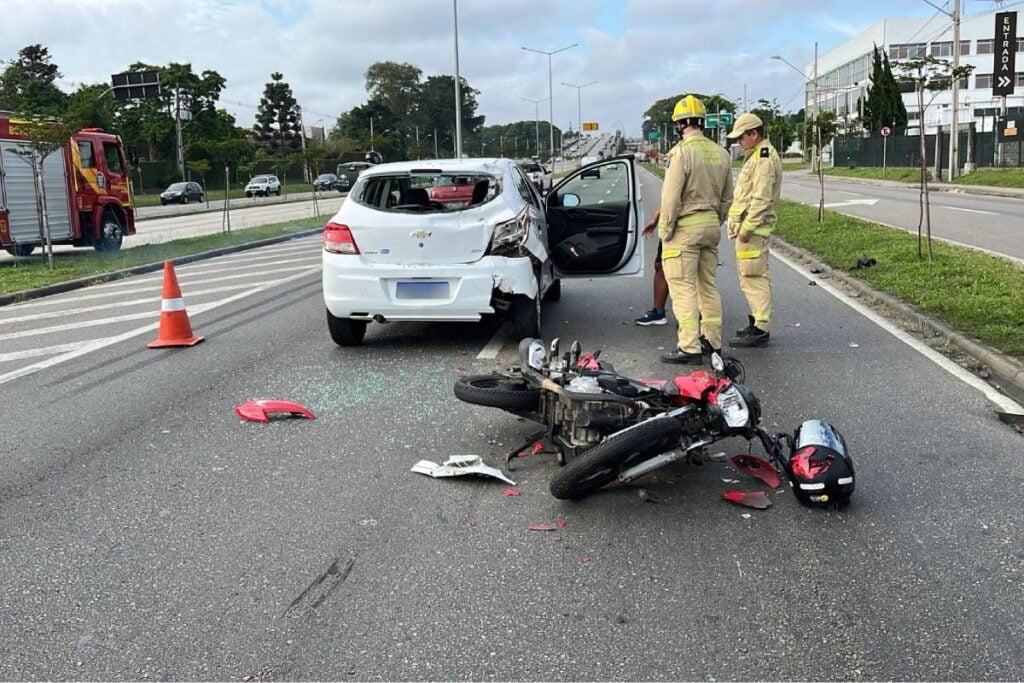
897,110
876,110
277,119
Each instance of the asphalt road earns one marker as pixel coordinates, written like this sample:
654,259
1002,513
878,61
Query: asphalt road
148,533
147,212
992,223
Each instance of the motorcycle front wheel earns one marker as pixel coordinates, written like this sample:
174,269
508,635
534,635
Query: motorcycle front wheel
497,391
602,464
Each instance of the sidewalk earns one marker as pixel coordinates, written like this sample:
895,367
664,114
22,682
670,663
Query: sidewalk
988,190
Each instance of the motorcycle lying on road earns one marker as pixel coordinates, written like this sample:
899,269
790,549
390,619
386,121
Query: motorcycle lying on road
606,428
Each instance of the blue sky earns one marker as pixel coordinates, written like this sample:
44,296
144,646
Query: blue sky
638,51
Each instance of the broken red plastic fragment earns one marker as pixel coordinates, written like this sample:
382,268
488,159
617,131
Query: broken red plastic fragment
537,448
758,468
511,492
540,527
561,522
585,559
750,499
261,410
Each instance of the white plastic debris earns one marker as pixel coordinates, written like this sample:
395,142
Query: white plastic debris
458,465
745,515
717,457
854,345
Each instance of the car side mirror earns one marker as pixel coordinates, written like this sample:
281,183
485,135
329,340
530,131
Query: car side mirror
570,200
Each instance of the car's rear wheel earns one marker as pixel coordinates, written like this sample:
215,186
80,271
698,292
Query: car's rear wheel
345,331
184,199
525,313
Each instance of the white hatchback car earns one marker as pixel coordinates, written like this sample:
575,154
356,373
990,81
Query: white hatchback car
392,254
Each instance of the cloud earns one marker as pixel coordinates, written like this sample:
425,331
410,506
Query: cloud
639,51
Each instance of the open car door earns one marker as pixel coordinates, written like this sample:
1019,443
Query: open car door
593,217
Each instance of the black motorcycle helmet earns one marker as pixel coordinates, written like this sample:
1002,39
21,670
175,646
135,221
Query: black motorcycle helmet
820,469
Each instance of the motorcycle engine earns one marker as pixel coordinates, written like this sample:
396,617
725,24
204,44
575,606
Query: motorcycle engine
582,424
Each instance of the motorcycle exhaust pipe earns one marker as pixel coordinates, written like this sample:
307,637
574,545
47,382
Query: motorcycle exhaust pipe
657,461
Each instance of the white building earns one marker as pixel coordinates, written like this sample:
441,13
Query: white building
845,70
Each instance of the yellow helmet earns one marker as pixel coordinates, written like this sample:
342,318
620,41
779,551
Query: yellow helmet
689,108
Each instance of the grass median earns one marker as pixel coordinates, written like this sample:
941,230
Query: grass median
993,177
903,174
30,273
978,294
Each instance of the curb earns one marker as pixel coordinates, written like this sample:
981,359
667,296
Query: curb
1008,370
983,190
71,285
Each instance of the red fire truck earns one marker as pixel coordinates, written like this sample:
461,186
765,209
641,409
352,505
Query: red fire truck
87,196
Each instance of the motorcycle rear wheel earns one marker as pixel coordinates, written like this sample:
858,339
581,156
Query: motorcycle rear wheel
602,464
497,391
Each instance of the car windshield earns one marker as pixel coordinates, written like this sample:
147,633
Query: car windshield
176,187
414,192
533,168
325,176
260,179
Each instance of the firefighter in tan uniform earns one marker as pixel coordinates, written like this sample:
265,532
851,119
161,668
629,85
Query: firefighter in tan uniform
751,221
695,198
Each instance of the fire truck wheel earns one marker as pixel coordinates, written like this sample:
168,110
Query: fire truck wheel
111,234
20,249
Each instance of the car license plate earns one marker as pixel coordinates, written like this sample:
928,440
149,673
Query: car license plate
422,289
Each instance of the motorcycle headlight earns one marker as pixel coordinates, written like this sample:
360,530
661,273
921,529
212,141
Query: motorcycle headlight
733,406
508,235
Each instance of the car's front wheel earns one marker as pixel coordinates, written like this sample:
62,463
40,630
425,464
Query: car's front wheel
345,331
525,314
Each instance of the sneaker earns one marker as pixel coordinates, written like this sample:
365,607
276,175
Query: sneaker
678,357
757,337
652,317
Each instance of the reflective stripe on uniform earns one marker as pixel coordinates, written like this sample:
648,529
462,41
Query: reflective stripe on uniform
763,316
687,322
736,210
712,319
700,218
670,253
750,253
762,230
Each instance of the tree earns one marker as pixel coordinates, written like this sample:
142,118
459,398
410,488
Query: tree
777,127
277,119
437,110
27,85
92,106
660,113
397,86
884,104
934,75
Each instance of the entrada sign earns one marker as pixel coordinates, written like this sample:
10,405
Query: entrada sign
1005,57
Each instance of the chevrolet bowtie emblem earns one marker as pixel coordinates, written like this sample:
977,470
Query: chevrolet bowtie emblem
420,234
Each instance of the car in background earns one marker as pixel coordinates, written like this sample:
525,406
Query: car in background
182,193
263,186
538,175
325,182
391,253
454,191
349,171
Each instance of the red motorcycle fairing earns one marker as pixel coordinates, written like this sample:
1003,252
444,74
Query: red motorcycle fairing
695,386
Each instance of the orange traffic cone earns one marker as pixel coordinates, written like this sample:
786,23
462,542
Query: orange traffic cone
175,329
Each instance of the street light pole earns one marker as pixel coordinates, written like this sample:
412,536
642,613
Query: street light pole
579,105
536,120
458,85
551,101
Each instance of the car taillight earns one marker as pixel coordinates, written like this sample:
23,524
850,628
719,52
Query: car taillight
338,239
806,466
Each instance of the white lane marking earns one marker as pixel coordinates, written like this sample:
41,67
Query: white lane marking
41,351
116,304
959,208
120,318
1004,403
853,194
494,346
849,202
154,285
95,344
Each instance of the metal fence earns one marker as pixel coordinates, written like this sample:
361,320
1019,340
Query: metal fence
981,149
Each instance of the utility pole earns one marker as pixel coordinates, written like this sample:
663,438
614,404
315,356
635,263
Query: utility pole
371,133
302,143
954,132
177,130
536,120
579,107
436,156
